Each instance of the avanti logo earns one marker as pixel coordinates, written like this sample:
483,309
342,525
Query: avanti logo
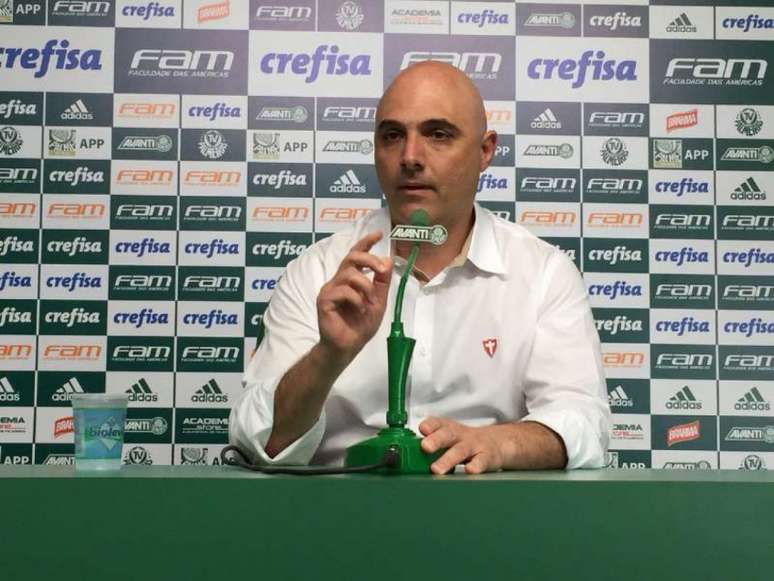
325,59
602,69
58,51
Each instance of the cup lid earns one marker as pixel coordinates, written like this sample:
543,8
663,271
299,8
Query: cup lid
99,399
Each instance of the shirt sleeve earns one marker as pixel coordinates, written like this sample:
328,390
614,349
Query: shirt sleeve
290,331
565,381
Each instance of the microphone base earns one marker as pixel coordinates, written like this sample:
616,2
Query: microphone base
411,458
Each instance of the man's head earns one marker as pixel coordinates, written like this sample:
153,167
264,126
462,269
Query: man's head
432,143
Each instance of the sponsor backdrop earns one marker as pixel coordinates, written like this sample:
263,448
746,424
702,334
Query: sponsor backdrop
161,162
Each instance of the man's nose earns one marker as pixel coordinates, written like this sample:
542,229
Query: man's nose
413,153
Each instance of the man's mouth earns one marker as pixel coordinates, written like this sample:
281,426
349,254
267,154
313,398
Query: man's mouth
415,187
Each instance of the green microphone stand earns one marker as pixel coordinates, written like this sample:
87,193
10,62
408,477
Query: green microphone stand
396,436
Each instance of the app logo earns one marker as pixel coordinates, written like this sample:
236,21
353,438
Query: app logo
56,53
748,122
753,400
266,146
667,153
590,62
141,392
683,433
614,151
10,141
681,24
682,120
61,142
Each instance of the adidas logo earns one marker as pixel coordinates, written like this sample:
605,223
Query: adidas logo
77,112
748,190
681,24
546,120
683,400
210,392
618,398
141,391
7,392
348,183
65,393
752,401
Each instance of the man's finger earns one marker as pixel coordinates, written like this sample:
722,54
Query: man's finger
360,260
358,281
343,294
430,425
478,464
443,437
367,241
457,454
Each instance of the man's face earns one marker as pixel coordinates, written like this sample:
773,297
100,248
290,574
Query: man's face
430,147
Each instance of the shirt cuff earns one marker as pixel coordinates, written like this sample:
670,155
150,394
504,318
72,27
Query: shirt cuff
252,419
586,447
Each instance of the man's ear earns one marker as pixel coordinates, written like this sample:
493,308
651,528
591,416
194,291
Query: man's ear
488,146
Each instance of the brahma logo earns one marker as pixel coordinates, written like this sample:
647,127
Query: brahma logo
682,120
477,65
602,69
326,60
63,426
56,53
216,11
683,433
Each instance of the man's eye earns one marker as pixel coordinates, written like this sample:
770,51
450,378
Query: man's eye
391,135
439,135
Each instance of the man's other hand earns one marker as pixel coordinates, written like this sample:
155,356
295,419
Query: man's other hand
350,306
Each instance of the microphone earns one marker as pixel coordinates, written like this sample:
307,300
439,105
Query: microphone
400,444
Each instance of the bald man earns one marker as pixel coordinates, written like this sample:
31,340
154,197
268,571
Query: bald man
507,369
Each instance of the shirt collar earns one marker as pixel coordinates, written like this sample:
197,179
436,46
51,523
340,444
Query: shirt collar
483,250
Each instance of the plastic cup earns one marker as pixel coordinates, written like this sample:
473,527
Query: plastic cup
98,420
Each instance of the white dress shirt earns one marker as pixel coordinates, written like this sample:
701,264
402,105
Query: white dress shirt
506,336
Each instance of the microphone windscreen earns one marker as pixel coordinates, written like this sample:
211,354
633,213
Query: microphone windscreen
420,217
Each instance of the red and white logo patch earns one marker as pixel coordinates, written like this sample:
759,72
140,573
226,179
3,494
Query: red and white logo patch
490,346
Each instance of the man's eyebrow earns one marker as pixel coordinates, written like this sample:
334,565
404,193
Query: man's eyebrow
388,124
440,123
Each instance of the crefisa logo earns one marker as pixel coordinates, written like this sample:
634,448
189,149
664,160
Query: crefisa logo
591,64
326,60
55,53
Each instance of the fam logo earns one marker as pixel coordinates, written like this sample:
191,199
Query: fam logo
712,72
177,61
613,119
601,187
133,283
477,65
300,15
683,361
143,354
739,292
